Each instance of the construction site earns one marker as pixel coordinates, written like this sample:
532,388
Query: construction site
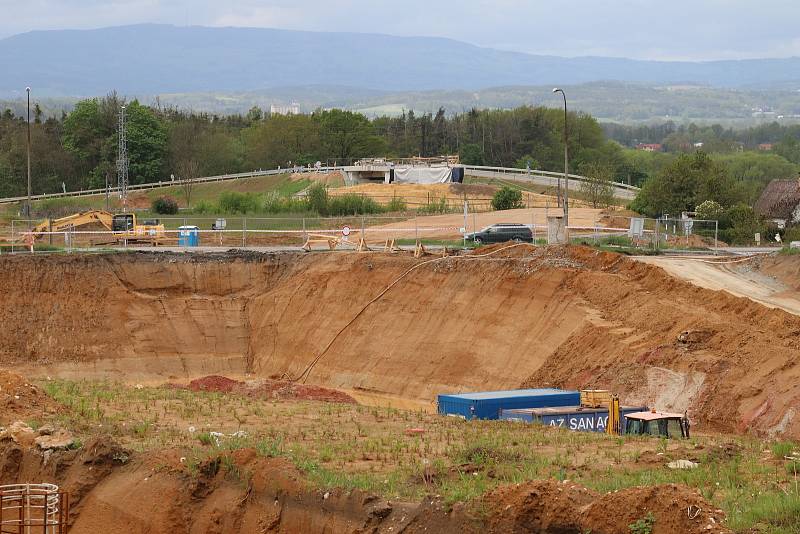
375,374
252,392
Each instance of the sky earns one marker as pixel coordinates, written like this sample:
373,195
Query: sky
653,29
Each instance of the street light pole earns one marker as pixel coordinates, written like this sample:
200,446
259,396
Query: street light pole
566,158
28,209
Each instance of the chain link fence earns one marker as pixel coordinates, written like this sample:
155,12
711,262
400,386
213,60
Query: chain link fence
448,230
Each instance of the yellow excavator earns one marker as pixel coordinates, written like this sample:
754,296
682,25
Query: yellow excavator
124,226
647,423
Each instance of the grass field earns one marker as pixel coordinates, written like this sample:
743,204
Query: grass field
371,448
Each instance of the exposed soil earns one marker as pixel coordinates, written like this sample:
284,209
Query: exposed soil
447,226
563,316
783,268
768,280
114,491
21,400
268,389
550,507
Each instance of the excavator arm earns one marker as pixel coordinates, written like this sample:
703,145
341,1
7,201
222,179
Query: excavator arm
72,221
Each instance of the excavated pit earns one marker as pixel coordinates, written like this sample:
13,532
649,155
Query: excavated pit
571,317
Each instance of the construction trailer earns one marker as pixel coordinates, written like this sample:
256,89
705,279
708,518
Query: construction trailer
489,404
579,418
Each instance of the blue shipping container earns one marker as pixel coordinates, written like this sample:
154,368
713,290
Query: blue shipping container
487,404
572,418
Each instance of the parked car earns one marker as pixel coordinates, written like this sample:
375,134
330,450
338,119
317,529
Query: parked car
500,233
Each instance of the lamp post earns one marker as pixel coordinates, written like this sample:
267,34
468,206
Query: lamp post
28,209
566,159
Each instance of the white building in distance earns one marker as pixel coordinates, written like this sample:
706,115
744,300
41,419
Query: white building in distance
291,109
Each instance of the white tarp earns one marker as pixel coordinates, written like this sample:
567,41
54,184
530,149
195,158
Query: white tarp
422,175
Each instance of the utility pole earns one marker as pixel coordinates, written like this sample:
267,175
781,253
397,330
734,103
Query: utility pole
122,161
566,159
28,208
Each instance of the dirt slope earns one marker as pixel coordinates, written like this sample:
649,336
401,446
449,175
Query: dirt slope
551,316
115,491
772,281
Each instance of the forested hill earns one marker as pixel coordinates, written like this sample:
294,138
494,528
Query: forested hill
151,59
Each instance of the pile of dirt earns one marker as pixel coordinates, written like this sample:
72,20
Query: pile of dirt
783,268
268,389
20,399
215,384
279,389
548,506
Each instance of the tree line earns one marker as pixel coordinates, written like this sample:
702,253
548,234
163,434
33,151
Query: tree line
78,150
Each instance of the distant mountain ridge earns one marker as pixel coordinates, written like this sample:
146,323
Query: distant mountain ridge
153,58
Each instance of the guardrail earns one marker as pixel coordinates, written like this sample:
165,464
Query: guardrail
170,183
543,174
517,173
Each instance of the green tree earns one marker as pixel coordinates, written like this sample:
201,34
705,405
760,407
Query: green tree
527,162
739,224
687,182
346,135
147,144
598,187
255,114
507,198
471,154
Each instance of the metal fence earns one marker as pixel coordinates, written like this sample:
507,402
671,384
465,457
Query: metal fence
373,232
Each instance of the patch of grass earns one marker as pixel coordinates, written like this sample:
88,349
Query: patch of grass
643,525
781,449
367,448
436,206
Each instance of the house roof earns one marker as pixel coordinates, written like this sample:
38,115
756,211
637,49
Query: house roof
779,200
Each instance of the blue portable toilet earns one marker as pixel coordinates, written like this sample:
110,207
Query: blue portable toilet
188,236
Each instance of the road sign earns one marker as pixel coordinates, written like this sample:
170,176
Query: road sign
345,230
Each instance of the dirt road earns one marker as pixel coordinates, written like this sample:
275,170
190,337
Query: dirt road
740,278
447,226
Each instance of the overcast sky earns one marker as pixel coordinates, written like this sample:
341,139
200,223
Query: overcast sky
646,29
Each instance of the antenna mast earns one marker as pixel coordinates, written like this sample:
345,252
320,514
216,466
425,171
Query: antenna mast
122,161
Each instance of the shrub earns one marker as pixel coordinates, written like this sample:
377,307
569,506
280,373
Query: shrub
434,206
317,196
709,211
232,202
204,207
507,199
396,204
280,204
352,204
739,224
164,206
